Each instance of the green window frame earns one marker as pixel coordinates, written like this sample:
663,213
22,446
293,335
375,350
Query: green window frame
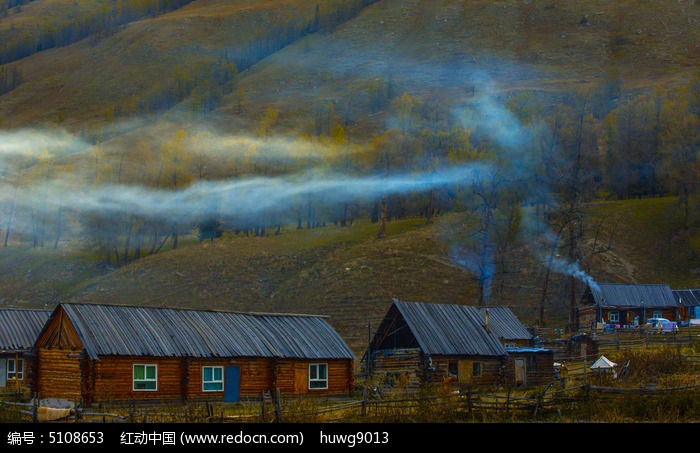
318,376
145,377
213,379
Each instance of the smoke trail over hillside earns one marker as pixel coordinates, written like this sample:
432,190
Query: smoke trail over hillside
516,145
32,143
547,253
254,196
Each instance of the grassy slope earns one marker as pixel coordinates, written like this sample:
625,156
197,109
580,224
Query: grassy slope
428,48
438,50
81,82
346,273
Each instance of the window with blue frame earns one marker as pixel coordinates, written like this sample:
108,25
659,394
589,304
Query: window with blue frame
614,316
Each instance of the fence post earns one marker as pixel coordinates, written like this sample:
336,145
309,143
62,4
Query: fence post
508,401
35,409
363,409
262,407
278,409
540,398
469,400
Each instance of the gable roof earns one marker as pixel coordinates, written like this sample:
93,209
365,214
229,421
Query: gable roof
107,330
504,324
687,297
447,329
19,328
632,295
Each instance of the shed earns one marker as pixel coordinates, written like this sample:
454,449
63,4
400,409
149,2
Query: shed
103,353
19,329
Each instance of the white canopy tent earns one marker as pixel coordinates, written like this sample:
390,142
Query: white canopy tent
604,365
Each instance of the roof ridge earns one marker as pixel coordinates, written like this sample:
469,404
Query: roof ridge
201,310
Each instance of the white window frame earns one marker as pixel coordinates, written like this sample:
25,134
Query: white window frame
614,316
314,376
213,380
17,372
657,313
145,378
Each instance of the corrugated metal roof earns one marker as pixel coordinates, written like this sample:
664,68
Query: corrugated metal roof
446,329
165,332
19,328
632,295
687,297
504,324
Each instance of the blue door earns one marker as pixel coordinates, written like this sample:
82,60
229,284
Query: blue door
232,384
3,372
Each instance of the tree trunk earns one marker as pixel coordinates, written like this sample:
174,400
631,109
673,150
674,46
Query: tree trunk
9,219
58,226
382,223
431,208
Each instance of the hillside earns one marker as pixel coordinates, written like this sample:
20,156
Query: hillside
437,49
346,273
256,84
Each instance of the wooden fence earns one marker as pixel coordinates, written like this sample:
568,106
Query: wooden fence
552,403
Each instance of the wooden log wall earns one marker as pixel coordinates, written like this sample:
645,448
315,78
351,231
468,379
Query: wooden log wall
491,370
397,367
539,369
293,377
113,379
58,374
402,367
255,376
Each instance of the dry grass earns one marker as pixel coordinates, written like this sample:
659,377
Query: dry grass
429,49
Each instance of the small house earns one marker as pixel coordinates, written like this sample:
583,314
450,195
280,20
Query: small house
418,343
625,305
688,303
92,353
19,329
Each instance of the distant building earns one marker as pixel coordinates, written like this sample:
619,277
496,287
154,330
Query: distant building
418,343
107,353
626,305
19,329
688,303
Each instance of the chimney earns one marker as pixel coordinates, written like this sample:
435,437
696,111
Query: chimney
486,313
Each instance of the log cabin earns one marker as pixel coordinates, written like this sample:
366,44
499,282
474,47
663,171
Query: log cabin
93,353
19,329
625,305
688,305
420,343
